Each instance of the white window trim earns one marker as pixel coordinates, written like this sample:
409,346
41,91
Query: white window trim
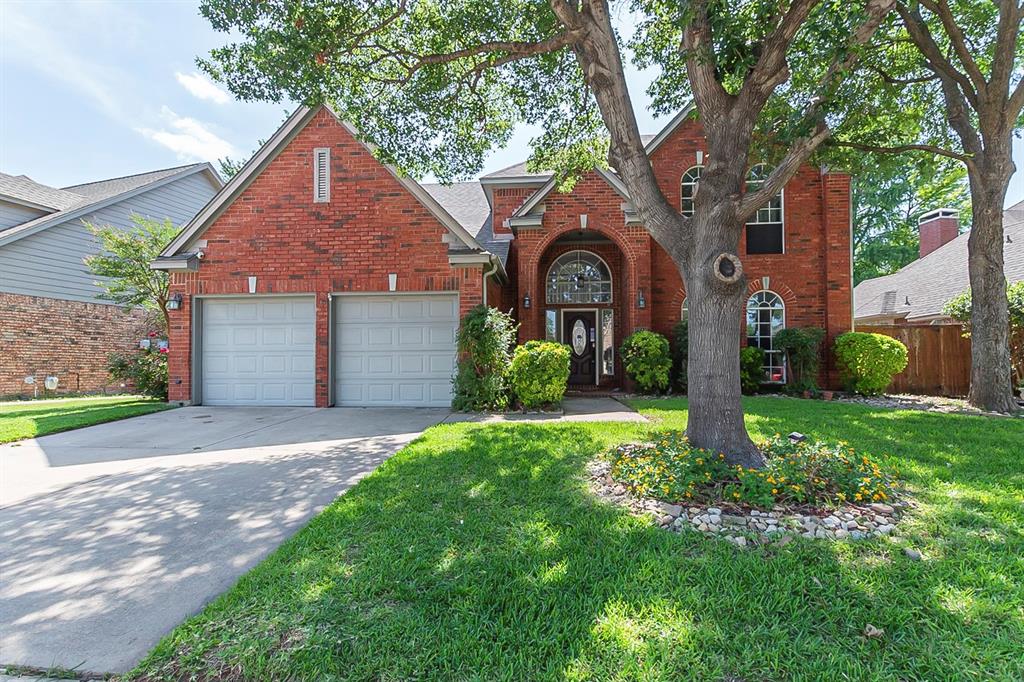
782,215
319,198
682,184
782,302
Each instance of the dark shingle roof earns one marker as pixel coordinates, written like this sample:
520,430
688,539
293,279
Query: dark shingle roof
518,170
929,282
467,203
102,189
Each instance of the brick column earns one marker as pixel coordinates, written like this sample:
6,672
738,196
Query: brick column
836,205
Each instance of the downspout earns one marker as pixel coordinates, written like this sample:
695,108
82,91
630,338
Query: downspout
494,269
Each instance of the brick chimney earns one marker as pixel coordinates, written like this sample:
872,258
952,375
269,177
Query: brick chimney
937,227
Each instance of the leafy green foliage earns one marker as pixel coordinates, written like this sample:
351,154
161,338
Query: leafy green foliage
889,194
485,339
123,264
802,346
145,370
646,357
680,352
868,362
540,373
959,308
668,468
751,369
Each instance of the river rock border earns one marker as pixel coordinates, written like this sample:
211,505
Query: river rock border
747,527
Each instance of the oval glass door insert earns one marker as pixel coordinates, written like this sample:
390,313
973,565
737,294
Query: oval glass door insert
579,337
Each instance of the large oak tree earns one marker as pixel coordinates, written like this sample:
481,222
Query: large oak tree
947,79
435,84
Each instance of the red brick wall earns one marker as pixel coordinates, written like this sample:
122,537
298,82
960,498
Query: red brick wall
813,276
371,227
67,339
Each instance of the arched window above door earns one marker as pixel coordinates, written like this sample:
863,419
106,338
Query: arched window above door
579,277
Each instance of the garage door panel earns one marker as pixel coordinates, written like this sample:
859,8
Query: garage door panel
397,350
258,351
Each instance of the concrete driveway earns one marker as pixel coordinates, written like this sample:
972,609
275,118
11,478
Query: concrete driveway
112,535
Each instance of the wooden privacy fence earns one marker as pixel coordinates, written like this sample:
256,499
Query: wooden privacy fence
939,361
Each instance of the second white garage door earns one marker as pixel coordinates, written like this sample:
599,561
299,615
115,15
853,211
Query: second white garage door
395,349
258,351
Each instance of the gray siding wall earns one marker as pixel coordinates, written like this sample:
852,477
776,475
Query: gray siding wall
50,263
16,214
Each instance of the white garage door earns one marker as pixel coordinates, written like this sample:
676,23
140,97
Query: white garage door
258,351
395,350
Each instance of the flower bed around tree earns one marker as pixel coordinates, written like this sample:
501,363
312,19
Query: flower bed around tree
808,488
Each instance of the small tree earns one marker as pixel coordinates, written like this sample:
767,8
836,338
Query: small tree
802,346
485,340
124,264
959,308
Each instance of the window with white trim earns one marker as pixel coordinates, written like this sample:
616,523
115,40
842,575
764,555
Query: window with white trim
321,175
766,315
688,189
579,277
765,230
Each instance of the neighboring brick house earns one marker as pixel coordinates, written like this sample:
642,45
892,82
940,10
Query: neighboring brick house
908,303
51,322
319,276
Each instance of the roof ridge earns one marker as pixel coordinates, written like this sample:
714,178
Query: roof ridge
134,175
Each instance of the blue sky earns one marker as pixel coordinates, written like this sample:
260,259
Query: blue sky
102,88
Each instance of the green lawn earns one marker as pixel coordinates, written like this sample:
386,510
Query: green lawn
476,554
31,418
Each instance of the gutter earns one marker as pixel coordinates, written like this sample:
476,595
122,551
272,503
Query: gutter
494,269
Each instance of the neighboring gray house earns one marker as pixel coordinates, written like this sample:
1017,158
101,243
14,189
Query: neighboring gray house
51,321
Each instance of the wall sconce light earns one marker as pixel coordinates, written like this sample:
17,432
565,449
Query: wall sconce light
641,301
700,158
174,302
526,301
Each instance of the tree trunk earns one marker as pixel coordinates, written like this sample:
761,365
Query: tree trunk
991,370
716,291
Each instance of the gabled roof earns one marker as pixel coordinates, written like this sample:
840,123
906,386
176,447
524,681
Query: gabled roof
96,195
467,203
919,290
178,248
517,172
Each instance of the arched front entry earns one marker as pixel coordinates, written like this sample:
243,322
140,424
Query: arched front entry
580,300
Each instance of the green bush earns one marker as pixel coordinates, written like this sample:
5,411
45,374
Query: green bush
802,346
868,362
144,369
646,357
751,369
669,468
680,353
959,308
540,372
484,341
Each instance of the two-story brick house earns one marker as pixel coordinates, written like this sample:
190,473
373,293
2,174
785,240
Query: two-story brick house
320,276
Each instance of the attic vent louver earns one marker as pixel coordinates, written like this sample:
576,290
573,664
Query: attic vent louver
321,175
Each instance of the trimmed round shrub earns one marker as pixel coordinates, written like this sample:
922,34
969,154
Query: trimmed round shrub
484,341
648,362
868,362
540,372
751,369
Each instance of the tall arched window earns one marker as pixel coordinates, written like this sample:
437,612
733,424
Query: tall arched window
688,189
579,277
765,233
766,315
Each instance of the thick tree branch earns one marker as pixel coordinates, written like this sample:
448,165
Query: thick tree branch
1016,103
902,149
1007,38
893,80
937,62
940,8
701,66
772,69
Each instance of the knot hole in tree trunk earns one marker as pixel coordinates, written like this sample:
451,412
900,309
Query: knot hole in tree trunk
727,268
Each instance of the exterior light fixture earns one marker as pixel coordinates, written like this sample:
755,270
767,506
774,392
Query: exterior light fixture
700,157
174,302
583,221
796,437
526,300
641,300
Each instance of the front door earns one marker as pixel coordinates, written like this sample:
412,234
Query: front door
579,332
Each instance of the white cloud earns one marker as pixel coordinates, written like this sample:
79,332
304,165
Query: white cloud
188,138
202,87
